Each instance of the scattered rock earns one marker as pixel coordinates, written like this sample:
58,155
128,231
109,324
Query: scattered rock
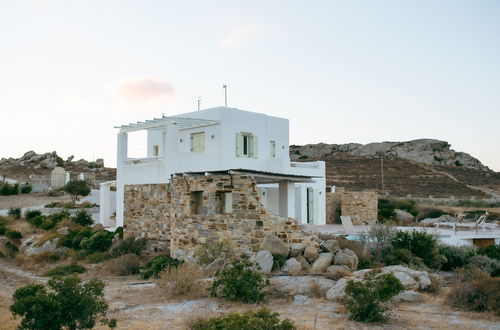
407,296
297,249
292,266
324,260
28,155
215,266
299,285
264,260
420,279
63,231
301,300
337,292
347,258
303,262
331,245
274,245
45,247
336,272
404,217
311,253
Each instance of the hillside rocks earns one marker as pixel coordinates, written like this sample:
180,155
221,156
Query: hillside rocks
292,266
424,151
404,217
324,260
346,258
264,260
300,285
275,245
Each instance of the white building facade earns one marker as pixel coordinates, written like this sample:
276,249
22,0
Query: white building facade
221,139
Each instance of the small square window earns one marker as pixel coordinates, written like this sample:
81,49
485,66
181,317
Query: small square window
196,203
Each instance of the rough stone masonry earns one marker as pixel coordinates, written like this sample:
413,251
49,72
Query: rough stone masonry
191,210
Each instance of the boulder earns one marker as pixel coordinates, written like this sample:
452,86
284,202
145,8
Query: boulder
299,285
347,258
303,262
215,266
296,249
404,217
48,163
301,300
337,292
331,245
336,272
292,266
310,253
63,231
274,245
264,260
407,296
45,247
420,279
324,260
28,155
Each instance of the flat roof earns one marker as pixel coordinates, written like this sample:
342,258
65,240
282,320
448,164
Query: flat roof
161,123
259,176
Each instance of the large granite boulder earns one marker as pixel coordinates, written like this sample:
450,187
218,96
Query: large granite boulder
407,296
300,285
324,260
274,245
292,266
336,272
48,246
331,245
264,260
404,217
347,258
296,249
311,253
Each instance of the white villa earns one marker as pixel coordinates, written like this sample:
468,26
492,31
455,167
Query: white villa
220,140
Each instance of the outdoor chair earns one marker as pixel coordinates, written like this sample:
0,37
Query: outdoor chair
347,224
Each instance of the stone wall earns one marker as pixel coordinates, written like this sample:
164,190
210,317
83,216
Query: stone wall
187,212
362,206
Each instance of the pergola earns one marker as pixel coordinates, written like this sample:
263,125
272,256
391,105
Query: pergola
161,124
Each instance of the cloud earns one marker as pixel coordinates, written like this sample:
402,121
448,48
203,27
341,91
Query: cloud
144,89
237,36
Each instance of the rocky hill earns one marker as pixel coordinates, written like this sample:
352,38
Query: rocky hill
32,163
419,168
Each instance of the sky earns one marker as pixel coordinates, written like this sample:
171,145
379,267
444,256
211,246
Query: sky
340,71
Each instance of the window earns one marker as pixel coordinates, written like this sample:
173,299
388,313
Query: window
196,203
156,150
246,145
226,202
198,142
272,149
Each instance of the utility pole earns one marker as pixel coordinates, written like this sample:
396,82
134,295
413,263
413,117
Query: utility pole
199,101
382,172
225,95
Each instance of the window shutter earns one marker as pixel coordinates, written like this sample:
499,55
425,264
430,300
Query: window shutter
254,146
315,205
239,144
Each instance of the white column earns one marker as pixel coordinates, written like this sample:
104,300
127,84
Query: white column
104,201
287,199
121,155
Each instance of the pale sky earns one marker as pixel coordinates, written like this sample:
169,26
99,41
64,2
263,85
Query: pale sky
341,71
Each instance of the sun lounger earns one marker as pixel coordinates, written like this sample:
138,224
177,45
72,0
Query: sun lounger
347,224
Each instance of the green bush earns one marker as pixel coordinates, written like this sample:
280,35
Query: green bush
76,189
26,189
263,319
421,245
3,228
154,266
9,189
119,231
15,212
64,270
13,234
456,256
74,238
408,205
486,264
37,221
478,296
98,257
64,303
82,218
401,257
492,251
100,241
130,245
239,282
31,214
278,261
208,252
363,299
386,210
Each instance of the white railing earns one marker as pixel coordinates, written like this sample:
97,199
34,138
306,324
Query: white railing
146,160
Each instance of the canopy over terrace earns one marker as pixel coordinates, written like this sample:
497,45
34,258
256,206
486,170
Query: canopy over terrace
286,183
161,124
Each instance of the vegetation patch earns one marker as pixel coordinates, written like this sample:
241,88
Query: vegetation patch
65,270
124,265
130,245
182,281
153,267
208,252
478,296
262,319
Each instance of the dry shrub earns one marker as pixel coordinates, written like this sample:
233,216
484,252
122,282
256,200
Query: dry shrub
338,274
436,283
124,265
478,296
46,257
182,281
471,273
315,289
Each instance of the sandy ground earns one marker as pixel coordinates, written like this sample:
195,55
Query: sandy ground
25,200
139,305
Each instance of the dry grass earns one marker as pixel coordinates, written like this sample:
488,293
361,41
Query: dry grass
184,281
123,265
315,290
